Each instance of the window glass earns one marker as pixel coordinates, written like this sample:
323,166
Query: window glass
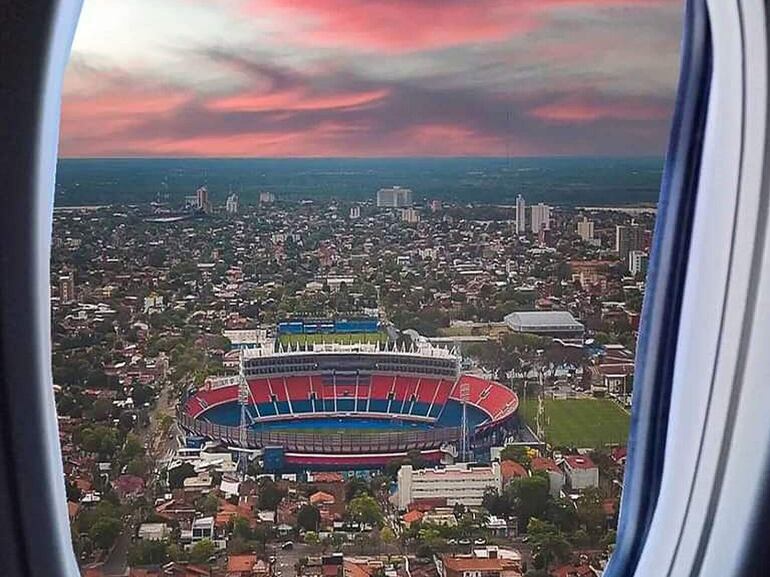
340,282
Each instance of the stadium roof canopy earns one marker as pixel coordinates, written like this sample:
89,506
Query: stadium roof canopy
543,321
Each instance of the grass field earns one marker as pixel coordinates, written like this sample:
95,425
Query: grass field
580,423
342,338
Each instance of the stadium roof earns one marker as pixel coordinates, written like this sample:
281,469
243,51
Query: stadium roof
421,350
539,321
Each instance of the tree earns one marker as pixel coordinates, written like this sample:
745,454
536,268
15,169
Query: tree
387,536
549,545
530,496
355,487
104,531
202,551
270,495
311,538
365,509
590,511
148,553
516,453
177,475
241,529
308,518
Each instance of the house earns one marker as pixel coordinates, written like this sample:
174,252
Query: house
581,472
202,528
153,531
241,565
489,562
413,516
583,570
129,487
512,470
322,499
555,475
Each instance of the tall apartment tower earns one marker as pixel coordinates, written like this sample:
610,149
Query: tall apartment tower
355,212
637,262
521,215
67,287
541,217
585,229
628,238
394,197
231,206
202,199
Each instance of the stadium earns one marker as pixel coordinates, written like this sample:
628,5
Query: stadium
333,406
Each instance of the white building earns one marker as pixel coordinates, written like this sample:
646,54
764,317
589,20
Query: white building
231,205
153,303
457,483
355,212
153,531
637,262
585,229
395,197
581,472
541,217
266,198
521,215
202,528
410,215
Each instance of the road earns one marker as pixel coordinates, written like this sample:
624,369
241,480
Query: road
158,447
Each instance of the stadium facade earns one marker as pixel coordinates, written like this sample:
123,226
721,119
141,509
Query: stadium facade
351,407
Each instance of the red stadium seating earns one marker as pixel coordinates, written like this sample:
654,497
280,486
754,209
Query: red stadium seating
403,394
298,388
497,400
381,386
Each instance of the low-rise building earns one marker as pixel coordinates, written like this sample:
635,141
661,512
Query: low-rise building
460,483
581,472
488,562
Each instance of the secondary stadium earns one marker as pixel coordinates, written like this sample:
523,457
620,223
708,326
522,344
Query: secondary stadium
334,406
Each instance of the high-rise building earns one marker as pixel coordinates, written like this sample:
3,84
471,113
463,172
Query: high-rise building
355,212
266,198
395,197
202,199
541,217
521,215
67,287
637,262
231,206
628,238
585,229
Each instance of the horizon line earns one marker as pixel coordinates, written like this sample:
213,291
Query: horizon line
417,157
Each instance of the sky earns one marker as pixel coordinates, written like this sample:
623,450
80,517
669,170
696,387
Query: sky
371,78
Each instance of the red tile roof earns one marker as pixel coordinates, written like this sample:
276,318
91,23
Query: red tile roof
544,464
511,470
241,563
579,462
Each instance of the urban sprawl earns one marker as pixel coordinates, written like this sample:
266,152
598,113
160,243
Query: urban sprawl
153,303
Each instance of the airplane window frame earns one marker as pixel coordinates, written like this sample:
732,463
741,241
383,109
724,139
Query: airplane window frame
656,346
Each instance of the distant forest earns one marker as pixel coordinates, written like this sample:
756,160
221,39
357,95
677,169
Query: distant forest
603,181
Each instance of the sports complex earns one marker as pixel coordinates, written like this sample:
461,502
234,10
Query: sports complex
342,406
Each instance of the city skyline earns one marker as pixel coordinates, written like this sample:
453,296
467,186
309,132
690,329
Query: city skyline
276,78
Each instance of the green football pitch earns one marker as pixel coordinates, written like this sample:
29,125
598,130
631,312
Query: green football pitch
580,423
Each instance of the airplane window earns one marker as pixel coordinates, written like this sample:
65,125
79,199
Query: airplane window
354,286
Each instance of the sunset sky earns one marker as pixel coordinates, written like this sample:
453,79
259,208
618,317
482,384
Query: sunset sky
273,78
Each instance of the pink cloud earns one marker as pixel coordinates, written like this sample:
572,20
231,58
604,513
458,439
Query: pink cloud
395,26
585,110
294,100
